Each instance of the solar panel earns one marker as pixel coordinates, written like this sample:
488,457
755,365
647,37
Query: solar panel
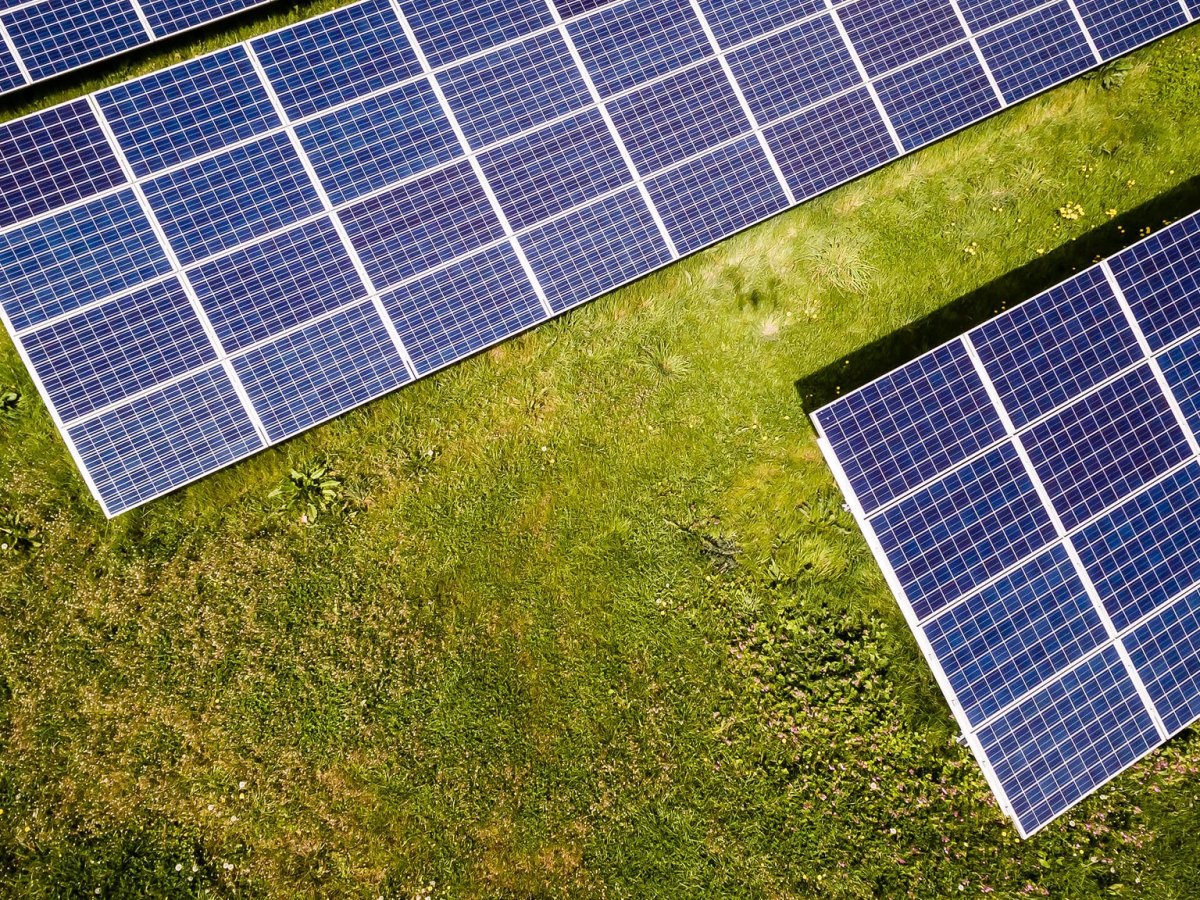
1031,491
446,173
43,38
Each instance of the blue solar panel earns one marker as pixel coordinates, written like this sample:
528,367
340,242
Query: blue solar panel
717,194
56,35
1106,445
899,431
1034,52
477,164
937,95
164,439
1029,557
1160,278
1066,740
515,89
274,284
635,41
1166,652
794,69
1118,26
10,71
963,529
737,21
374,143
57,264
188,110
1015,634
464,307
831,143
310,375
679,117
1056,346
173,16
119,348
889,34
1144,552
226,200
421,224
336,58
983,14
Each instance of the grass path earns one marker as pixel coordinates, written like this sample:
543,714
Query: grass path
588,619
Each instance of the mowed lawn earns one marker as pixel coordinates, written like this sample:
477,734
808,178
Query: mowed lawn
585,618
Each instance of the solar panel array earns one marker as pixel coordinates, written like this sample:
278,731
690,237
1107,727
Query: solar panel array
1032,492
43,38
209,259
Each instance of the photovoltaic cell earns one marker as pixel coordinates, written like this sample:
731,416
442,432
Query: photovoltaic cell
173,16
1119,26
1034,52
1031,558
474,161
983,14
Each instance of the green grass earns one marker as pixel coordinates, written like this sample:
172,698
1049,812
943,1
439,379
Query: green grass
586,618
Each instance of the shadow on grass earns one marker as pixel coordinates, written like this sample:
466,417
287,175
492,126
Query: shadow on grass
888,352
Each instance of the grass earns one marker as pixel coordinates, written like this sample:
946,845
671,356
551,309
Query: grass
584,616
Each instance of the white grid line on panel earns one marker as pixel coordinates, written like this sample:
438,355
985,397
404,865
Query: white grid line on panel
755,126
931,657
866,79
638,179
1080,571
1087,35
188,290
141,14
12,49
987,70
1155,368
257,136
1187,10
474,162
334,218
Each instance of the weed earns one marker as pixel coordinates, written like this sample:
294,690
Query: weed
312,490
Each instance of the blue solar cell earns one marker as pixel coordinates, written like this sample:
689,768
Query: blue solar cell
1015,634
10,72
719,193
165,439
1144,552
903,429
225,200
379,141
267,287
421,223
937,95
1067,739
59,263
452,29
888,34
514,89
561,166
1160,278
678,117
1166,653
172,16
569,8
1034,52
1181,366
1056,346
53,158
188,110
963,529
108,352
638,40
1105,446
1117,26
831,143
463,308
56,35
324,369
594,249
982,14
793,69
337,57
736,21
